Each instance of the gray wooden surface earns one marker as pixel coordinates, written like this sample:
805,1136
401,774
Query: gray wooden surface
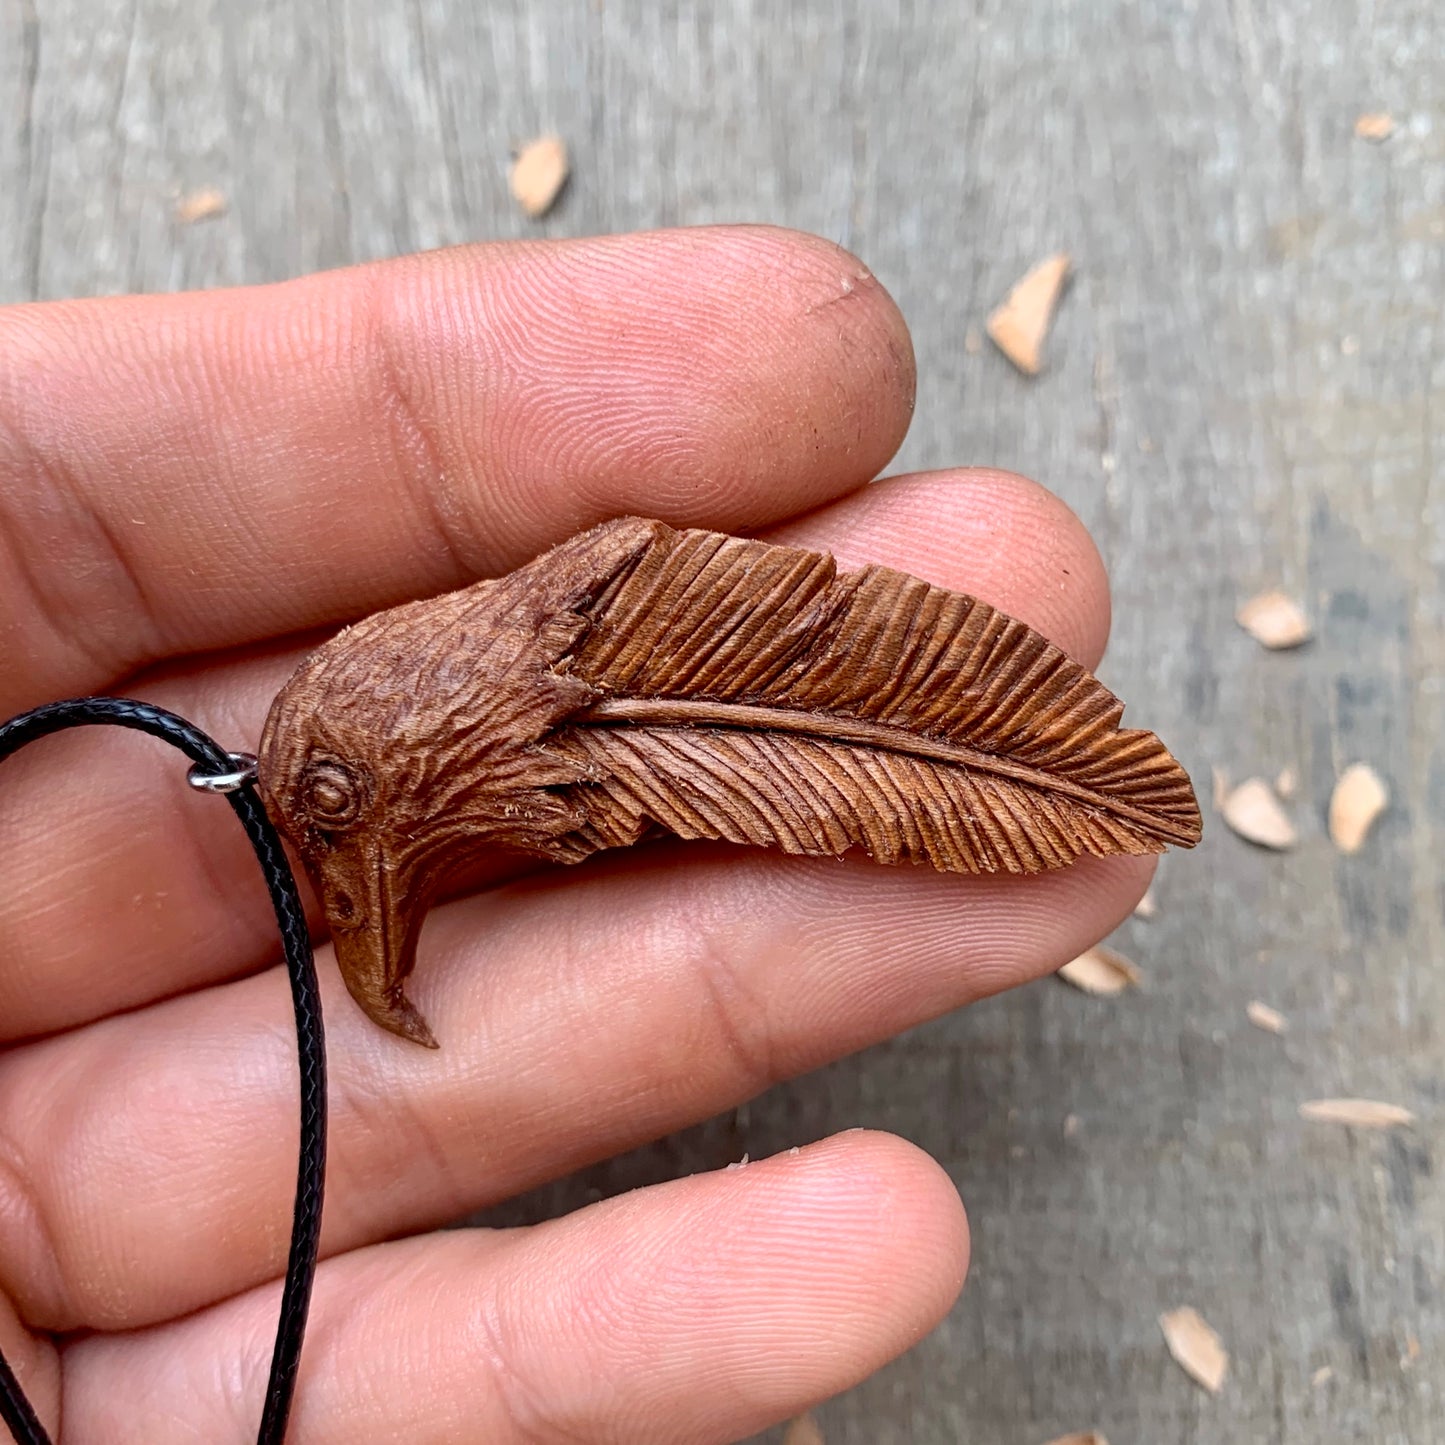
1246,387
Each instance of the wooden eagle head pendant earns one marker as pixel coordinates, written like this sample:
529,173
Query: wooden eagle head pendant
639,680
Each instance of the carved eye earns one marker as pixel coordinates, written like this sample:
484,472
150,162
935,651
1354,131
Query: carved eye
333,796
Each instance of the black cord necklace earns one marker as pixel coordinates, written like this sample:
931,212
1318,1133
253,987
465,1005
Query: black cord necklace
231,774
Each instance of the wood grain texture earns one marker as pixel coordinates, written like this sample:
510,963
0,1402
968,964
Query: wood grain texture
1244,391
637,681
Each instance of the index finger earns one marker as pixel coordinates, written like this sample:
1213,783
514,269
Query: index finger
198,471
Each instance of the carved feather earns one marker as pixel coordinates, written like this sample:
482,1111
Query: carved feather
754,693
641,680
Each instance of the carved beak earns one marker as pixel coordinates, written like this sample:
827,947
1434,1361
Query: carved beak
375,917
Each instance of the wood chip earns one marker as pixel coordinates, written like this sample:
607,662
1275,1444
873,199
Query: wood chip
1071,1125
1362,1113
1375,125
1359,798
1286,783
1081,1437
1253,811
1101,971
539,173
202,205
1146,907
1195,1346
1019,325
1322,1376
1266,1018
803,1431
1274,620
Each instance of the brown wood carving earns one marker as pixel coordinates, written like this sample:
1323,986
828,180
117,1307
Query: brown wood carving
640,680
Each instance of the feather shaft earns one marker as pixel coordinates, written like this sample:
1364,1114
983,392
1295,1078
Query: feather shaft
695,713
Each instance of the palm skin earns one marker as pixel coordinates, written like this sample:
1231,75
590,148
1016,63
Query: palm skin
193,489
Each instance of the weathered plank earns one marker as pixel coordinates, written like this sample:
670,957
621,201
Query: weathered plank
1244,388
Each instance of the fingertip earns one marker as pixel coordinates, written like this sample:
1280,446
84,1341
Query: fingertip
993,534
848,340
1103,891
1078,605
712,376
859,1239
909,1210
809,400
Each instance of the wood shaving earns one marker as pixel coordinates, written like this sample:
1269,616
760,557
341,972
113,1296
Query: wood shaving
1266,1018
1146,907
1253,811
1412,1352
803,1431
1361,1113
1375,125
1274,620
202,205
1322,1376
1286,783
539,173
1359,798
1196,1347
1019,325
1101,971
1081,1437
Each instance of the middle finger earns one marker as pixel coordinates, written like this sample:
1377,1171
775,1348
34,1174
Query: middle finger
95,828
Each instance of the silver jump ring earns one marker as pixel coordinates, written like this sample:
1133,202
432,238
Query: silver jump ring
242,773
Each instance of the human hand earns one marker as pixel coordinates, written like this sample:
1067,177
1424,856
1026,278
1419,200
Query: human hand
192,489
